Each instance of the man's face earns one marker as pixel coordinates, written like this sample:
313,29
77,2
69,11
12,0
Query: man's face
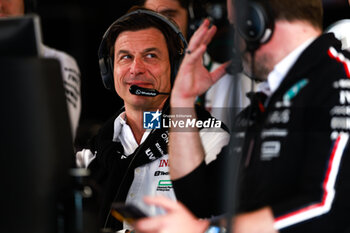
11,8
141,58
171,9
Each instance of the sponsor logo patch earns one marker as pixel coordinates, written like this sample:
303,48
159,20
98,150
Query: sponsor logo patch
164,185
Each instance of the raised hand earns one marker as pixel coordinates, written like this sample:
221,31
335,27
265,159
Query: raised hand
193,79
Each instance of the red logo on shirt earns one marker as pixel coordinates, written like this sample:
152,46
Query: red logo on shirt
164,163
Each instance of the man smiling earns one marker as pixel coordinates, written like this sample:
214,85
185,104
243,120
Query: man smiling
127,161
141,58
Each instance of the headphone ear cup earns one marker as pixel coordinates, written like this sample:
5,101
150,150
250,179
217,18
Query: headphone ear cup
106,69
255,24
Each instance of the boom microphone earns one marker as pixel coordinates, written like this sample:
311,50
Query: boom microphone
136,90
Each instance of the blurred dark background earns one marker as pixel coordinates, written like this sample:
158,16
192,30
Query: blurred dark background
77,26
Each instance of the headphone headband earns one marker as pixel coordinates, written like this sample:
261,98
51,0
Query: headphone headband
105,61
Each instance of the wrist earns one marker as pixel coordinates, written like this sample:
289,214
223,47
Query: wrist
181,102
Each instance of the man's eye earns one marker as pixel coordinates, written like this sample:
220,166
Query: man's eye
151,55
125,57
170,15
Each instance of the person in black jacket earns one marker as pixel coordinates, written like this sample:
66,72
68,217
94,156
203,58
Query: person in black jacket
295,169
139,54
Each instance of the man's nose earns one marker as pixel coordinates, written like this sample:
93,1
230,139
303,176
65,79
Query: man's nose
137,66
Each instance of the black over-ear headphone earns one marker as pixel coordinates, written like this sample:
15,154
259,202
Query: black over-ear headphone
106,62
255,22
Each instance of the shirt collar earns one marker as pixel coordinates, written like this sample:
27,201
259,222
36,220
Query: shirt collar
280,70
123,134
119,122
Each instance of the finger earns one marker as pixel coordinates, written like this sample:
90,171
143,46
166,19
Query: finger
197,40
195,56
204,24
219,72
198,36
209,35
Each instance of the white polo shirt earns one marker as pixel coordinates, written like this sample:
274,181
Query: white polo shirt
153,179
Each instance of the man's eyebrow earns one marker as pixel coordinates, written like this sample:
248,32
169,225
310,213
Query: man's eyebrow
122,52
152,49
147,50
167,11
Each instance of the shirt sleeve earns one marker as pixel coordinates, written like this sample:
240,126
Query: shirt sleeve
201,189
213,142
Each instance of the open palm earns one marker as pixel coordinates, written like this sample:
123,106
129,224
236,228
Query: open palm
193,79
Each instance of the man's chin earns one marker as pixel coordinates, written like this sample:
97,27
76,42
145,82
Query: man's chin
260,71
141,102
148,103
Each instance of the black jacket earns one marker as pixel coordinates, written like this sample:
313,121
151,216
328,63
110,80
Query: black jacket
294,158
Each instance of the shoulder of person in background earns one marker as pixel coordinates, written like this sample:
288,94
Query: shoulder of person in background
341,30
219,98
71,82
